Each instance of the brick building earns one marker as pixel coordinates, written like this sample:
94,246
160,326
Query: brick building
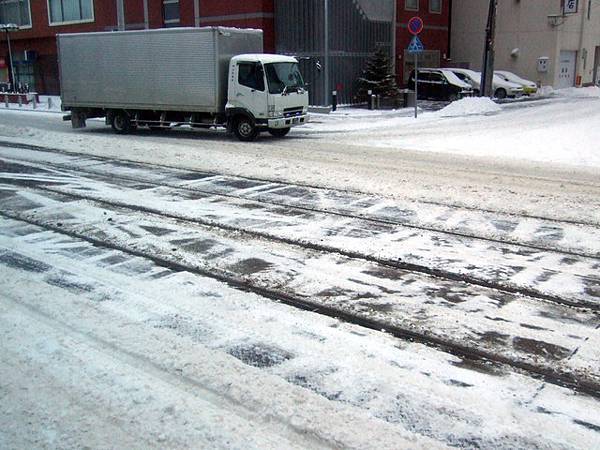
35,53
435,35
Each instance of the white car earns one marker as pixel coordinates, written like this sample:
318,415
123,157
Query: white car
502,88
529,87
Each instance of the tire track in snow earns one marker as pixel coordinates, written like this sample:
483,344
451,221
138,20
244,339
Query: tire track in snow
467,352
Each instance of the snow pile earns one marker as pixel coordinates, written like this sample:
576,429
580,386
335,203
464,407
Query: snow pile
585,92
469,106
47,103
544,91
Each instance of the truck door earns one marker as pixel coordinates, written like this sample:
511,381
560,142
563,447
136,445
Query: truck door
251,94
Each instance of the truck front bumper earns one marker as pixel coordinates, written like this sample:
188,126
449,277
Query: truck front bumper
287,122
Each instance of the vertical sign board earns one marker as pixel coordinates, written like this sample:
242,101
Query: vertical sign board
415,26
570,6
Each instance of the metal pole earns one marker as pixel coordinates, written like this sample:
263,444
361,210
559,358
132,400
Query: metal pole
196,13
395,12
120,15
146,15
326,37
416,81
10,57
487,73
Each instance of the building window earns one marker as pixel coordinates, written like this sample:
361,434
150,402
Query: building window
70,11
435,6
15,11
411,5
171,12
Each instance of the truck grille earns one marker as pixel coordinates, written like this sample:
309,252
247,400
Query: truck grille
292,112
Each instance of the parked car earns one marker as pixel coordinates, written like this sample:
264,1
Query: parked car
500,87
529,87
439,84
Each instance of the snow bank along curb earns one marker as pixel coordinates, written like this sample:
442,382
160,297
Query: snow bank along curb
469,106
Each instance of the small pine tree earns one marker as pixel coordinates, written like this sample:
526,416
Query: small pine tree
377,77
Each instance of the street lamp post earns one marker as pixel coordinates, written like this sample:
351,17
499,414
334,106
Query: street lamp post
8,27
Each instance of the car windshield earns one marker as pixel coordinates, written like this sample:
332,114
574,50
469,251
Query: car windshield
498,79
283,76
471,74
453,79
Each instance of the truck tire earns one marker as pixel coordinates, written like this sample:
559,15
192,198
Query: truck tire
244,129
120,122
279,132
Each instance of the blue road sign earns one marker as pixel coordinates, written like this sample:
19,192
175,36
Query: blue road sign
416,46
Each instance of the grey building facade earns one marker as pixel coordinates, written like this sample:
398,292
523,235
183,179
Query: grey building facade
333,39
551,42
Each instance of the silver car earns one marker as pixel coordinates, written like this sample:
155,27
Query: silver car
501,87
529,87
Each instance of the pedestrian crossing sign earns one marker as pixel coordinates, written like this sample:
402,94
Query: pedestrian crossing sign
416,46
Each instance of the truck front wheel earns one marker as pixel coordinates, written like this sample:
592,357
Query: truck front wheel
120,122
279,132
244,129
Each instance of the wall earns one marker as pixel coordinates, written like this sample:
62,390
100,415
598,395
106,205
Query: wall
340,42
582,34
247,14
41,38
520,25
435,34
243,14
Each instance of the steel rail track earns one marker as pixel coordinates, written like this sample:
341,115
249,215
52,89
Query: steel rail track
464,352
364,218
390,263
457,206
395,264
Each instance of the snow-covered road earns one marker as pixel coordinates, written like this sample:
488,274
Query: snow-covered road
195,300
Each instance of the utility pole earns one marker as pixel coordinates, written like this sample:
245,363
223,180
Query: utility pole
487,72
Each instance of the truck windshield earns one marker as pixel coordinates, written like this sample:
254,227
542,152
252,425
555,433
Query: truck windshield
283,76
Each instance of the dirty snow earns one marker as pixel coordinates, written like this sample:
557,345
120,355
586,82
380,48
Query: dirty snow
128,329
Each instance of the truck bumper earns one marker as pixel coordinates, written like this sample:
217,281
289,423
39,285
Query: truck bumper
287,122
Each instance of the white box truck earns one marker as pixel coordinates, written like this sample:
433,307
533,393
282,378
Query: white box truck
202,77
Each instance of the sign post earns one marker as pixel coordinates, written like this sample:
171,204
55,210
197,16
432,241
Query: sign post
415,26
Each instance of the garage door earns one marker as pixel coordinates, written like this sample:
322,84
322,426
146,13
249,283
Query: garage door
566,74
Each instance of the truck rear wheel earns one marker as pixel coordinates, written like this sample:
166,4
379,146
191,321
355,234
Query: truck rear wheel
244,129
279,132
121,123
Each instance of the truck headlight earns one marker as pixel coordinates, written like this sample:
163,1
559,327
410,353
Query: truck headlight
274,112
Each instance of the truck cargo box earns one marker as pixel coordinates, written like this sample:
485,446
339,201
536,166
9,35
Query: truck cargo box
175,69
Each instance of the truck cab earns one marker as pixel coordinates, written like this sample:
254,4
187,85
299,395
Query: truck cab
265,93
